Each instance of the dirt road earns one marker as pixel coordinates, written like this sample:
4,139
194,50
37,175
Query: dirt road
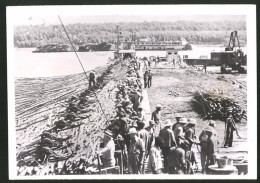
174,89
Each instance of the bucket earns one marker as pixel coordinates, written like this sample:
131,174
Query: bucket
222,162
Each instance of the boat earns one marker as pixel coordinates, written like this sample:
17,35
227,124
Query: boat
53,47
148,44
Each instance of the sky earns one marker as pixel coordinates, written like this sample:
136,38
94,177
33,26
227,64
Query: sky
31,15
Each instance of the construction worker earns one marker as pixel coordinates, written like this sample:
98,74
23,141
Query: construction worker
169,141
179,131
143,133
156,117
146,77
155,161
150,130
140,113
92,78
107,153
177,124
136,152
176,158
230,127
150,76
190,132
210,148
137,98
203,145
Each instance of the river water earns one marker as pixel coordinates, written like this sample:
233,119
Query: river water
28,64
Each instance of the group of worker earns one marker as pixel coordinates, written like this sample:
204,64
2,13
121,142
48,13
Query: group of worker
163,146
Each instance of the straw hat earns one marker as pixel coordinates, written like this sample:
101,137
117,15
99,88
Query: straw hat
183,120
158,106
132,130
167,122
209,129
192,121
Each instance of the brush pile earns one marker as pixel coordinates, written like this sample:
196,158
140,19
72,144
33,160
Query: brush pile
61,135
215,107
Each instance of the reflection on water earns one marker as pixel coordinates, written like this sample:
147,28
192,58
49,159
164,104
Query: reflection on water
28,64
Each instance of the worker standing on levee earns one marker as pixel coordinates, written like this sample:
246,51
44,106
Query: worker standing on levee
155,161
156,117
169,141
210,148
203,146
107,153
230,126
150,76
146,77
136,152
92,78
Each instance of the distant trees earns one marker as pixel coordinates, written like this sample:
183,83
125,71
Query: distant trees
198,32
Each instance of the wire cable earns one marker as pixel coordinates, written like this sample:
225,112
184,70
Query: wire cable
80,64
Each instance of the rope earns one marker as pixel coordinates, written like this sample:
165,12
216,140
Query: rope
80,64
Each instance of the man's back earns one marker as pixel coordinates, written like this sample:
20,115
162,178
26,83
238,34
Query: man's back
144,135
167,135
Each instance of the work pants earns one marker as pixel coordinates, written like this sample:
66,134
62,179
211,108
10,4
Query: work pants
165,152
229,135
203,155
149,82
92,83
134,165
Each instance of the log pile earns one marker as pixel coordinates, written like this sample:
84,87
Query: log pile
215,107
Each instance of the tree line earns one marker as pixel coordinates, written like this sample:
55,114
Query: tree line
215,32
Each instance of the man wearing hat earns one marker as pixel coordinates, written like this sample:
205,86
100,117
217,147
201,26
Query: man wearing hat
156,117
176,158
230,126
210,148
136,152
179,131
150,75
177,124
203,138
190,132
140,113
137,98
155,160
107,153
150,130
169,141
120,111
92,78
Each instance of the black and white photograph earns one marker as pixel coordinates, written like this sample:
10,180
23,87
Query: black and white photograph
132,92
